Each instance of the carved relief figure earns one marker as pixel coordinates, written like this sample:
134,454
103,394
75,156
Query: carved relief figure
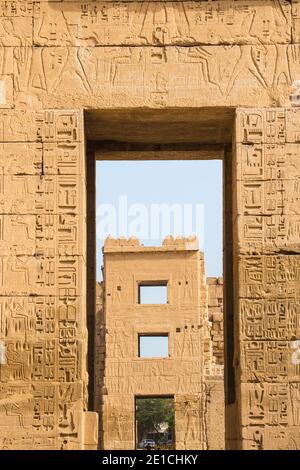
190,412
295,402
118,340
119,420
207,64
253,60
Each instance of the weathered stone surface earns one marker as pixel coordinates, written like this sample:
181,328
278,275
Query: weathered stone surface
159,73
268,126
296,21
269,319
271,437
47,126
42,243
267,277
96,23
214,416
95,77
215,317
126,264
119,370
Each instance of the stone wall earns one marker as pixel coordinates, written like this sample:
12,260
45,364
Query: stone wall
213,393
214,407
42,327
99,357
215,317
232,62
266,169
113,375
127,264
191,53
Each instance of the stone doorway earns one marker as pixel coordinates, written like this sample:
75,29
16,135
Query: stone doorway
160,73
265,258
155,425
204,134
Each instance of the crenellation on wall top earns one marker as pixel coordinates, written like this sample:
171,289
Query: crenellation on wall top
214,281
132,244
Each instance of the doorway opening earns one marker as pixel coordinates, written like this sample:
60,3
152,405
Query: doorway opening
154,423
120,140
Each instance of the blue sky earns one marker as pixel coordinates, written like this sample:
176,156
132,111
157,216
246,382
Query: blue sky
154,346
146,184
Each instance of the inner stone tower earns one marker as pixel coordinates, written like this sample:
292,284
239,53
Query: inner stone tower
188,370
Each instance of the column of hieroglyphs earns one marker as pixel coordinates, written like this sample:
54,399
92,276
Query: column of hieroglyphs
42,303
267,263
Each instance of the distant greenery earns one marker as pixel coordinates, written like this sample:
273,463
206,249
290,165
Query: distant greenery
151,413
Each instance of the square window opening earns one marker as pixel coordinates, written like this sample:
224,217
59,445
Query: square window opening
153,293
153,346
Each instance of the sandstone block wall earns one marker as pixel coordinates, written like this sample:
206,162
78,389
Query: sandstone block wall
210,389
62,61
215,317
214,393
214,407
128,376
42,328
266,263
182,53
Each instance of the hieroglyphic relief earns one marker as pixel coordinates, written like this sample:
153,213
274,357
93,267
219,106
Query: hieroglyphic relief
21,159
254,37
269,276
42,299
267,126
267,188
16,22
187,340
163,74
273,404
157,23
277,438
118,425
44,194
268,254
16,30
215,318
97,54
275,319
295,21
188,415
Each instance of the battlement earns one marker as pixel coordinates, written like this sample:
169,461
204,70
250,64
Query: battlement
133,245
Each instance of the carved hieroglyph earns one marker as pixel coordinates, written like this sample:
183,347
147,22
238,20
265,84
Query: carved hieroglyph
42,252
267,259
190,53
161,23
58,58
